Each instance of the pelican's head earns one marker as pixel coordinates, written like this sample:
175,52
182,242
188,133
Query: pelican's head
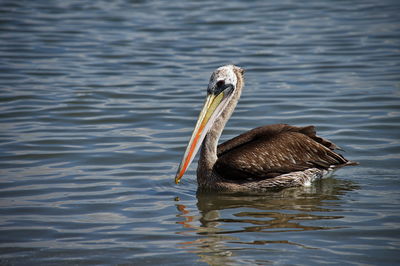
223,83
224,77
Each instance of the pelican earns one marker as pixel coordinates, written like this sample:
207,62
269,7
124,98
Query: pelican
264,158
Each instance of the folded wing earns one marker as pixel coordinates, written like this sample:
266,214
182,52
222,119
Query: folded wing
273,150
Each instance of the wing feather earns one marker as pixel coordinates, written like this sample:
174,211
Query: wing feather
273,150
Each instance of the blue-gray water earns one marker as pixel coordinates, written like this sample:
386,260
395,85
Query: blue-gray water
98,100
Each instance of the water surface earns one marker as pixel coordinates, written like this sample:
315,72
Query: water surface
98,100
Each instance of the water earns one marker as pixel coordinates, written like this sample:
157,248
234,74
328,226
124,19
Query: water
98,100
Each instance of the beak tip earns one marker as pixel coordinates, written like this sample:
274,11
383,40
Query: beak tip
177,178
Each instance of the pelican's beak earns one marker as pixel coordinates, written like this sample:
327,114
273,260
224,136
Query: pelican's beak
212,108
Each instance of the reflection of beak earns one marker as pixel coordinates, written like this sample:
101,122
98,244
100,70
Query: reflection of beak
211,110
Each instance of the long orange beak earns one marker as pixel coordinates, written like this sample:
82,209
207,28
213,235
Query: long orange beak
211,109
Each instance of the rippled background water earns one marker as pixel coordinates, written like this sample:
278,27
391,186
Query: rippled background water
98,99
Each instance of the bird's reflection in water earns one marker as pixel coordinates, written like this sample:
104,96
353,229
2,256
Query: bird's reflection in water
227,222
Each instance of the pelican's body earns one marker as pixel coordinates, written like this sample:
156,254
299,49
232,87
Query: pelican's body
268,157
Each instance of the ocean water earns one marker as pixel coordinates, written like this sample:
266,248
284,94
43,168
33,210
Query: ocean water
98,100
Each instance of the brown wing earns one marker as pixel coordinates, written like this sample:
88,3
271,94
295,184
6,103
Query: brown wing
273,150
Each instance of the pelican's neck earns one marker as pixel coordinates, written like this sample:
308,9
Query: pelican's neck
208,153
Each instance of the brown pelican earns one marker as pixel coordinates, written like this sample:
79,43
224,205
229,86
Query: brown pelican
267,157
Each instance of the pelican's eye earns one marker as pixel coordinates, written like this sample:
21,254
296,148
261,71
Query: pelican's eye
220,83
